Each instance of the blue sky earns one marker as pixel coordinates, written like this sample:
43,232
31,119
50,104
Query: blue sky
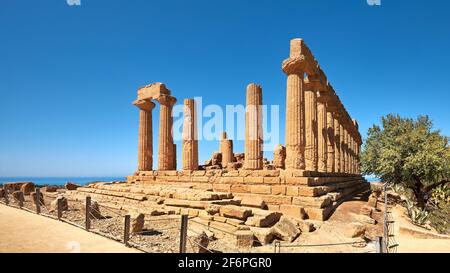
68,74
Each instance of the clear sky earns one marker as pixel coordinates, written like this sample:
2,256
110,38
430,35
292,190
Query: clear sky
68,74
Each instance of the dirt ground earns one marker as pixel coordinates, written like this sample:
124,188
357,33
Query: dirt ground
24,232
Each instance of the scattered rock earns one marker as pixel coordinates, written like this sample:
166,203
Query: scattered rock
263,218
305,225
95,211
263,235
64,204
50,189
137,222
232,211
201,242
71,186
17,195
213,209
27,188
355,230
286,229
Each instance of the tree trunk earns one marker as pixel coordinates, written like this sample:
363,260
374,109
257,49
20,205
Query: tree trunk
419,192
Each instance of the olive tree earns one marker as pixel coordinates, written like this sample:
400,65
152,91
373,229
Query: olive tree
408,152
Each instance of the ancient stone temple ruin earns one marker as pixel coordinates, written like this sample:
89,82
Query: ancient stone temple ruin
316,170
309,177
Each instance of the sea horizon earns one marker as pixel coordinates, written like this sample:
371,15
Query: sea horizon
60,180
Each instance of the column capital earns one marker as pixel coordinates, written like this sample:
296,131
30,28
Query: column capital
294,65
145,105
167,100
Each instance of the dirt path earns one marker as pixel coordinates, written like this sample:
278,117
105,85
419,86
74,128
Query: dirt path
22,231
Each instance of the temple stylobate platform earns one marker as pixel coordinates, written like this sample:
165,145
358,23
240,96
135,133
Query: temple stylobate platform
316,169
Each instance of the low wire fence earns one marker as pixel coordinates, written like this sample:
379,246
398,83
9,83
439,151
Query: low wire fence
167,233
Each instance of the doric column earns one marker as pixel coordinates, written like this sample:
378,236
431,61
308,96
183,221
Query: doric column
330,142
190,140
311,125
295,106
145,142
337,144
322,141
166,152
346,159
350,152
253,129
342,138
226,148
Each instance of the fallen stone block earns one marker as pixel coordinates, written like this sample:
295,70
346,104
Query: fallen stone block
232,211
254,202
286,229
263,235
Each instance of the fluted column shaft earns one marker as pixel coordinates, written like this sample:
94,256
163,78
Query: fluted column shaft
330,143
166,148
190,140
295,107
346,159
342,154
253,129
311,130
145,141
337,145
322,146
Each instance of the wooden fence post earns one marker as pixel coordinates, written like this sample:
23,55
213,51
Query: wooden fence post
21,198
126,234
38,201
88,213
183,233
59,200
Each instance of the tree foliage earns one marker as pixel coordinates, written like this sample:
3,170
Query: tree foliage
408,152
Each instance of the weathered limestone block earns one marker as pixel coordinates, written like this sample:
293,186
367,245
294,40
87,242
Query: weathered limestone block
263,235
64,204
95,211
253,129
279,156
263,218
2,193
254,202
293,211
49,189
27,188
244,238
232,211
212,209
286,229
216,159
153,91
71,186
137,222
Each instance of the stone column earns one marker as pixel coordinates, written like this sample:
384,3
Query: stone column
330,143
322,133
226,149
253,129
311,126
279,156
346,159
145,142
350,152
166,146
337,144
190,140
342,153
295,106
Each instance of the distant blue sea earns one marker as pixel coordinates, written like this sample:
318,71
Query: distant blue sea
59,180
